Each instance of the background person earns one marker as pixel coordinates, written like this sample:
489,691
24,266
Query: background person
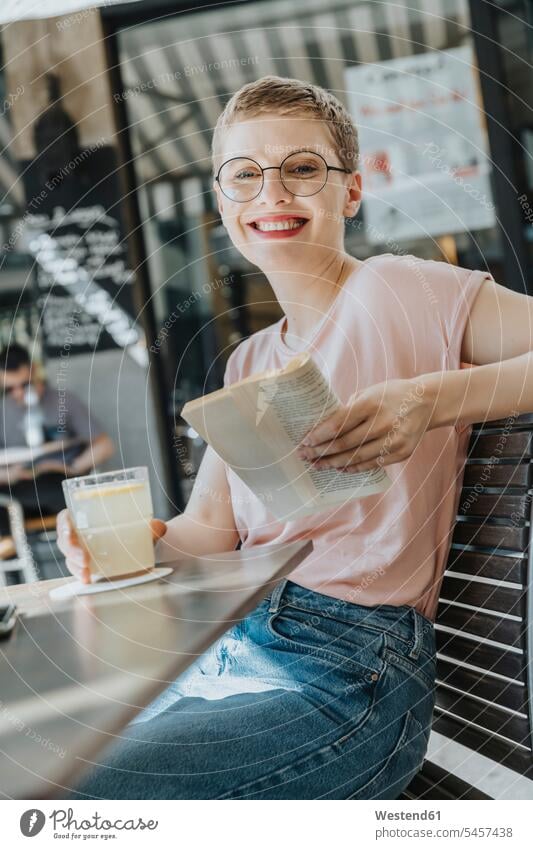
81,441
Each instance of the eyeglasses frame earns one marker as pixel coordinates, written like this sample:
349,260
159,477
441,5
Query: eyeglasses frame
278,168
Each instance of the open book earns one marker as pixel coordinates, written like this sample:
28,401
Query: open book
24,456
254,425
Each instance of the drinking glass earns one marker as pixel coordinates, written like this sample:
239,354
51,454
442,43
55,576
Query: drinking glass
111,512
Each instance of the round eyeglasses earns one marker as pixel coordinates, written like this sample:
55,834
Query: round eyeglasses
302,173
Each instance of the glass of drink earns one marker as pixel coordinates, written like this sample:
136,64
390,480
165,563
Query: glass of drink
111,512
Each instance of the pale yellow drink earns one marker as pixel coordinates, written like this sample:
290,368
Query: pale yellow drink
112,519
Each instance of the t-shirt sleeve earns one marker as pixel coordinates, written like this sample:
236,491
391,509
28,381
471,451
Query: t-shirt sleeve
451,290
80,421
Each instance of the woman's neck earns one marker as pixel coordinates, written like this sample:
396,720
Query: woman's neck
305,296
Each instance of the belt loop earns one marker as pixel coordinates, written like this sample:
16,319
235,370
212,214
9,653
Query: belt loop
275,598
418,635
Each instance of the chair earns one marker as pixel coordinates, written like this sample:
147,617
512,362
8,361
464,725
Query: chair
15,552
484,623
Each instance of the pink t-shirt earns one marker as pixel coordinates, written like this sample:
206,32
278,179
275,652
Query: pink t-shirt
395,317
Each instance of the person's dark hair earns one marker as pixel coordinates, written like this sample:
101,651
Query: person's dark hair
13,358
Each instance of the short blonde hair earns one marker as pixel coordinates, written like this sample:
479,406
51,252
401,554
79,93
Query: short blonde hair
287,96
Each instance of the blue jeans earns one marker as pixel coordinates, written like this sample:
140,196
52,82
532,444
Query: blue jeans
309,697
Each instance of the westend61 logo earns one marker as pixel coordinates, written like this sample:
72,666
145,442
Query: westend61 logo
66,826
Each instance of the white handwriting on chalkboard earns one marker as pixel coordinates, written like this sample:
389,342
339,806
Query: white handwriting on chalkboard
96,301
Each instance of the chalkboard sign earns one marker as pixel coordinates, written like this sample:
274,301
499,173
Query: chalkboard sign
83,281
75,234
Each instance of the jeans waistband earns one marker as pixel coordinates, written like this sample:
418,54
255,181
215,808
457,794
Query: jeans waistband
402,621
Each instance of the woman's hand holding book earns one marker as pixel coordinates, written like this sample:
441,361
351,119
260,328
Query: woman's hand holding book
378,426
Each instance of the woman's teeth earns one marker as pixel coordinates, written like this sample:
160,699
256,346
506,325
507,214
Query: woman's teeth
289,224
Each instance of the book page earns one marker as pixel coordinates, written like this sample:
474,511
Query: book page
254,400
228,426
300,399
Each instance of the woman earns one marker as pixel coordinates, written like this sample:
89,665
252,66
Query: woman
326,690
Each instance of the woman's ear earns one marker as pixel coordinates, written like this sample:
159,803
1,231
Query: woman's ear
354,194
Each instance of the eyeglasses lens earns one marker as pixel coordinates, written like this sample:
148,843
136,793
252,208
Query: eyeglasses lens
303,173
241,179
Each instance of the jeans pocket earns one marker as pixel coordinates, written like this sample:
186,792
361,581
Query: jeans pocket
350,647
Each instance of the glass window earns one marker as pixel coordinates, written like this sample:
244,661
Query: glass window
66,288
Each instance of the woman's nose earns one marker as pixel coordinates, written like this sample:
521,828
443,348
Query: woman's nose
273,189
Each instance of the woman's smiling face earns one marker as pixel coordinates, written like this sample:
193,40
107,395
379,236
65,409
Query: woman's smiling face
278,229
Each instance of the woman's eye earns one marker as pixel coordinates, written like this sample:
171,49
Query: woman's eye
246,175
303,170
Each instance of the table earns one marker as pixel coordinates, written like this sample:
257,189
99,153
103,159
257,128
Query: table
75,672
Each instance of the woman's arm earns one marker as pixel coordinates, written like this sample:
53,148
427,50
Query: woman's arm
384,423
207,525
498,341
484,393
